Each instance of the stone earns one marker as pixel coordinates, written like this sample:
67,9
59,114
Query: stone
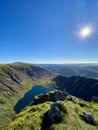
55,113
88,117
53,96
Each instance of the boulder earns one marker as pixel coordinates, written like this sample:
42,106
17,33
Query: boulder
71,98
55,113
88,117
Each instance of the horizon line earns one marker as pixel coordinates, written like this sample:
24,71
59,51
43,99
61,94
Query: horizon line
49,62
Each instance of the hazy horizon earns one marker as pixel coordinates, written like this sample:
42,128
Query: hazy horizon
49,62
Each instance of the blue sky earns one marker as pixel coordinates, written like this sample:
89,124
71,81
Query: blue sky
46,31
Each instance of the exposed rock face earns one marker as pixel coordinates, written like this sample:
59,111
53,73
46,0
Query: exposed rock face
88,117
13,75
55,113
54,96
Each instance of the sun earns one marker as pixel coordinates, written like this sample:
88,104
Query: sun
85,29
85,32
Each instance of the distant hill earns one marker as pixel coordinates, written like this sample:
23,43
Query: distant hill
86,70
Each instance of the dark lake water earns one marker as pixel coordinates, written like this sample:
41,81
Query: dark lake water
29,97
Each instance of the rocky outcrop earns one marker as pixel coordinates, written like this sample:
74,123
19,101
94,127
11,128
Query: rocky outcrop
88,117
55,113
53,96
60,115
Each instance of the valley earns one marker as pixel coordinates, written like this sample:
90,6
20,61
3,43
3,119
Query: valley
83,69
15,80
48,64
18,78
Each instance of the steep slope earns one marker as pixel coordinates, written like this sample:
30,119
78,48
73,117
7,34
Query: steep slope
78,86
15,80
36,117
18,78
87,70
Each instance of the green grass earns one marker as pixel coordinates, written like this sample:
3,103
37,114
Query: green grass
12,98
31,117
8,97
4,122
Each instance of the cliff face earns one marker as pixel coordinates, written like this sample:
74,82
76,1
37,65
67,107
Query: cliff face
12,75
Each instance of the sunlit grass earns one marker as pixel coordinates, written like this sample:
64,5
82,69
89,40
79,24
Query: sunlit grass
32,116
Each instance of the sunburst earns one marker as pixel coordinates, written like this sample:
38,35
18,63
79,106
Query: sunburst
85,29
86,32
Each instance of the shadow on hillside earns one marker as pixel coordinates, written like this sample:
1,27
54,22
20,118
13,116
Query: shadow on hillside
81,87
46,123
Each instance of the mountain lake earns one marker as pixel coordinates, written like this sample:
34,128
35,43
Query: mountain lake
29,97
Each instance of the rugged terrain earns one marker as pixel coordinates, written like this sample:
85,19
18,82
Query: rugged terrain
59,115
15,80
82,87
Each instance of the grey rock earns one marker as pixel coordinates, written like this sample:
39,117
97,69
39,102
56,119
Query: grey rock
88,117
55,113
53,96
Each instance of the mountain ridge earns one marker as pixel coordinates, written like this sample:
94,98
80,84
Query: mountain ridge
78,86
15,80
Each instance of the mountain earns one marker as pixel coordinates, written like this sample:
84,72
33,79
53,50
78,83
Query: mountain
81,87
70,114
86,70
16,79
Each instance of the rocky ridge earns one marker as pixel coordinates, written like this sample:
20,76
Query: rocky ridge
53,96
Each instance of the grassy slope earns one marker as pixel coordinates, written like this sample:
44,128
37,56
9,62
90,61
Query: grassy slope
15,80
31,117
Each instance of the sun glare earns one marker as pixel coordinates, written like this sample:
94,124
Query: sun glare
85,32
85,29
